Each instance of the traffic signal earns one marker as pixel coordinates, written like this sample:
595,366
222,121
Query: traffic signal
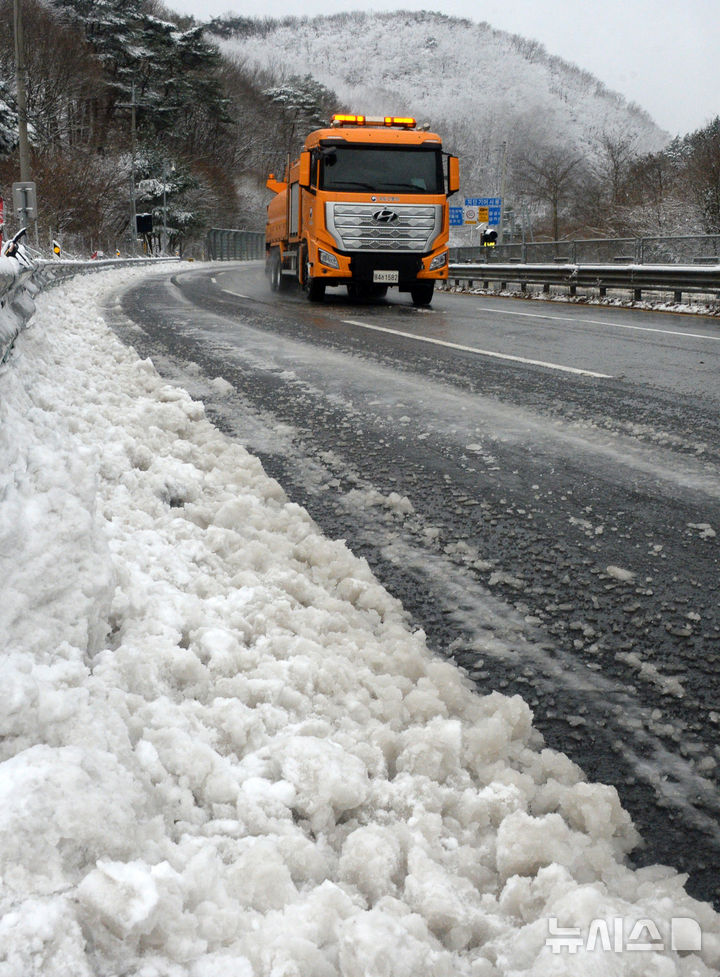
489,238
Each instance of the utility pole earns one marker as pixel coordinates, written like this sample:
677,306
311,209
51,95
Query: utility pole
502,192
133,228
21,94
26,195
163,244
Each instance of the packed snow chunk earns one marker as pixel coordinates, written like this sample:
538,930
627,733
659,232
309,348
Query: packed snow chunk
222,964
585,929
327,779
448,902
49,509
593,809
49,839
493,803
619,573
142,906
42,938
432,750
259,877
372,861
526,844
221,386
503,729
390,942
303,938
19,697
123,895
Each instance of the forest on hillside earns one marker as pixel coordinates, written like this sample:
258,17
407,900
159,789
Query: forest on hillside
127,101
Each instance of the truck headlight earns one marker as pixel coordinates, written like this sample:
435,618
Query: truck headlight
439,261
327,259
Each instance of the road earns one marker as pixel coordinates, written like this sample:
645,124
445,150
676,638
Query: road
538,482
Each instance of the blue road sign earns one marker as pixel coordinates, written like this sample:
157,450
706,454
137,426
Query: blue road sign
456,216
493,204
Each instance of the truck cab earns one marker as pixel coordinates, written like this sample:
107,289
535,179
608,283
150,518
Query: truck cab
365,206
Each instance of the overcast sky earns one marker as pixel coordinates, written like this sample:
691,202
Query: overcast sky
662,54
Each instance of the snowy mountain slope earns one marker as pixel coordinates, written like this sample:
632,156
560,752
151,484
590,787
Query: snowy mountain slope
478,86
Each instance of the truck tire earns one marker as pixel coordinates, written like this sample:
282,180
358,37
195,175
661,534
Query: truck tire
422,293
313,288
276,277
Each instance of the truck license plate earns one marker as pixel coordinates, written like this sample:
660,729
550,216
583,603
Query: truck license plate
386,277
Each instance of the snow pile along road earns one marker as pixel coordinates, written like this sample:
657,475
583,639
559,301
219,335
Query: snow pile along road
223,750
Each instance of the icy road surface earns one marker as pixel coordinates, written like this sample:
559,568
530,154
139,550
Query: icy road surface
552,528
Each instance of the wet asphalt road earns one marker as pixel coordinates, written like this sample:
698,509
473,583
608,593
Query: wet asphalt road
538,483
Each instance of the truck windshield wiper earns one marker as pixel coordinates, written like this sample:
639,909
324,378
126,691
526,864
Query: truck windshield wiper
349,184
405,186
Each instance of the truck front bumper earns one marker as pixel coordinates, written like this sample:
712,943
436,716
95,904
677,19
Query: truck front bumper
359,268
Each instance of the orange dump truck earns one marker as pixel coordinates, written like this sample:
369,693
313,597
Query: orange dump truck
365,206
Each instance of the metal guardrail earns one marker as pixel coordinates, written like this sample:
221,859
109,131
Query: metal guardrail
677,279
21,278
225,244
15,306
678,250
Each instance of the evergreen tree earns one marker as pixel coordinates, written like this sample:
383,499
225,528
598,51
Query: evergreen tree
169,73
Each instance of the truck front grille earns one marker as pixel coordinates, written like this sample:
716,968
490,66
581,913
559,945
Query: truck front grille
383,227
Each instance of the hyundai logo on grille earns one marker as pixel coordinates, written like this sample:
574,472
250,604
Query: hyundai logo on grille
385,216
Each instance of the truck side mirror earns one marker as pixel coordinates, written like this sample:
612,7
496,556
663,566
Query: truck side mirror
304,178
453,175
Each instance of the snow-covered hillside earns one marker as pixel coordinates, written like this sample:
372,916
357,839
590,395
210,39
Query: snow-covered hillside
480,87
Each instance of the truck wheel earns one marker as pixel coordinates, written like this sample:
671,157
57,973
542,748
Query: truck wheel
276,277
422,293
313,288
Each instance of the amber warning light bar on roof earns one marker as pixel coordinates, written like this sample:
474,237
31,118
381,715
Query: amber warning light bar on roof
367,120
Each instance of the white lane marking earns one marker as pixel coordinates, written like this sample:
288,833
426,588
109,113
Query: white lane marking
598,322
238,295
481,352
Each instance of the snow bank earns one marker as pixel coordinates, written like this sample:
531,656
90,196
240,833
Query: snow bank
16,308
223,751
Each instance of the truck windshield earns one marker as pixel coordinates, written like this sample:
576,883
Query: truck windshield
382,169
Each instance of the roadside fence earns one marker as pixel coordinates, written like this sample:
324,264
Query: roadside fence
224,244
21,278
701,280
684,250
